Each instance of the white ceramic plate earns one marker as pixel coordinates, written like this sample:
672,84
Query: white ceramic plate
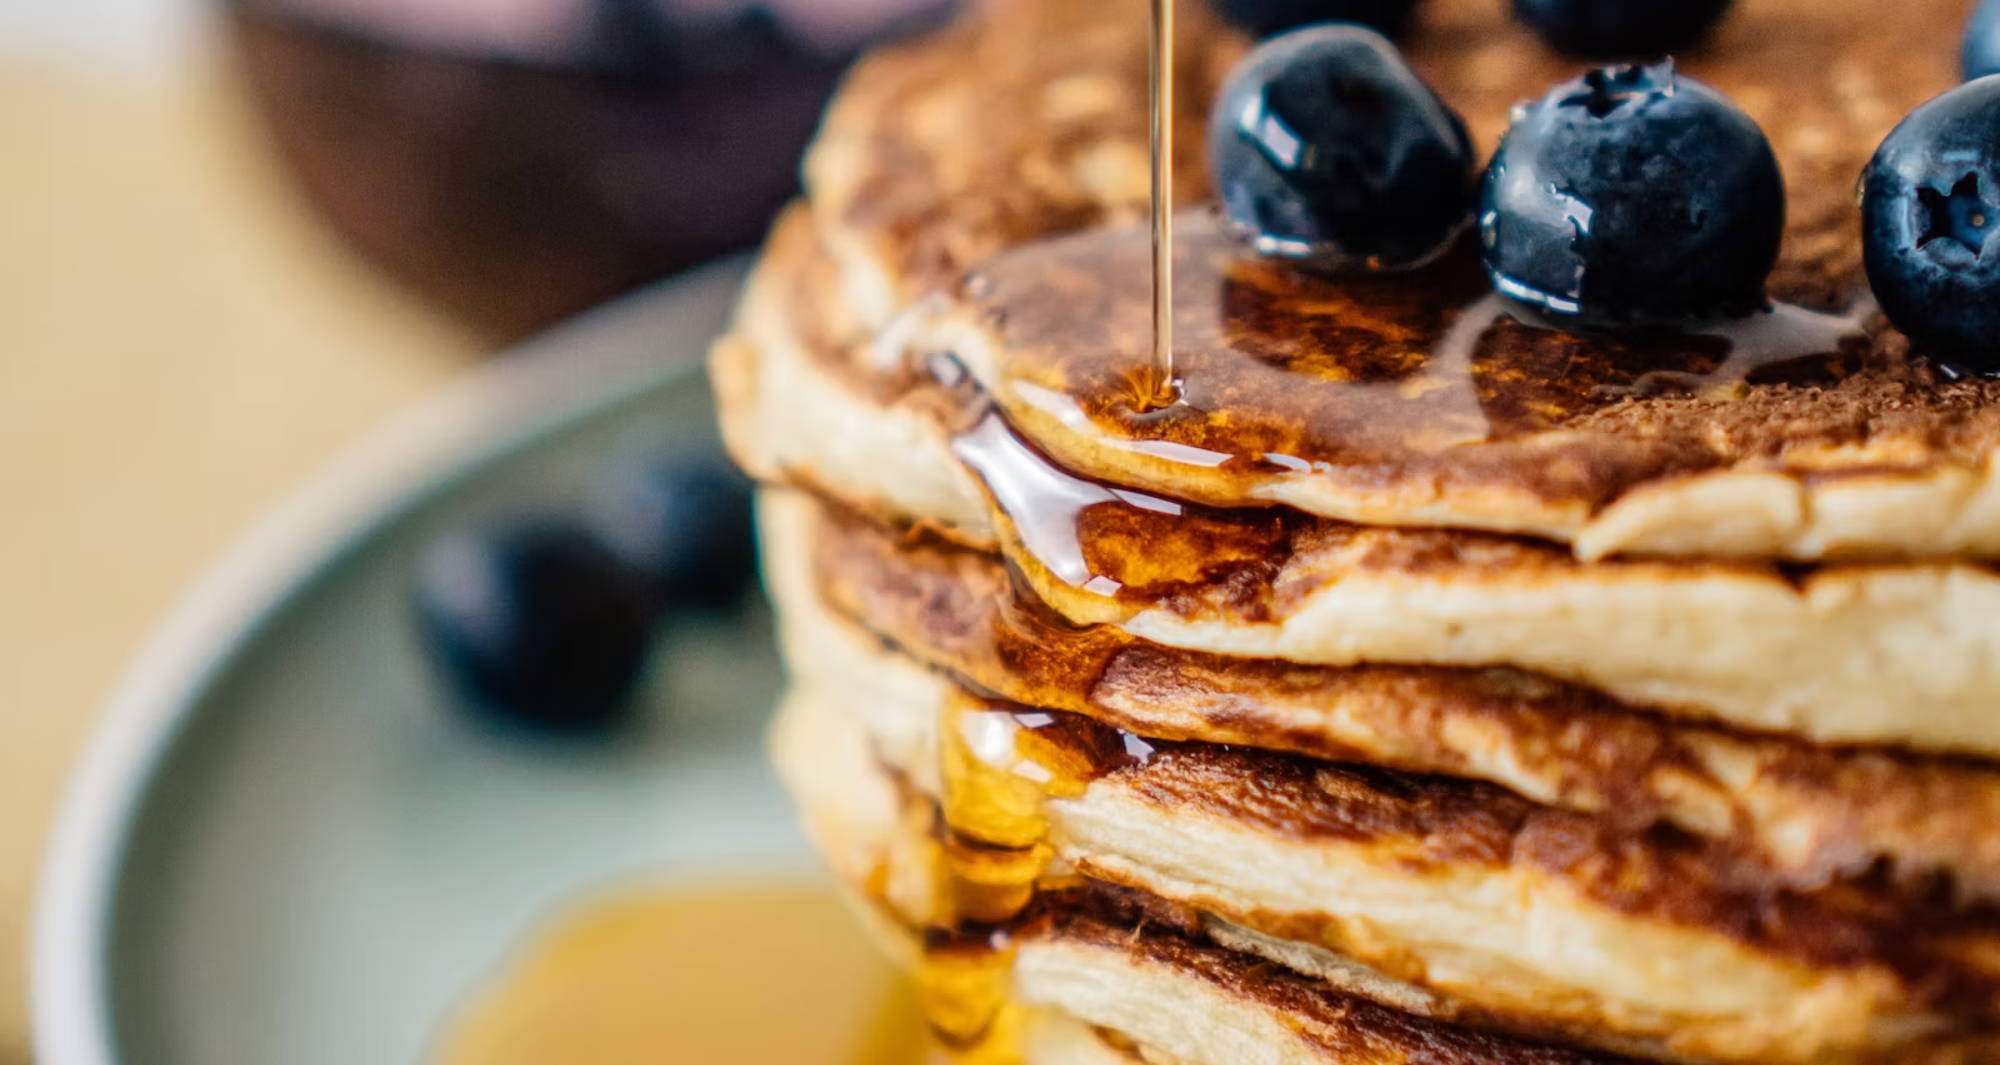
283,849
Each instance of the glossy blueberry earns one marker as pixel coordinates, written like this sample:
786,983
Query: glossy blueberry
1979,54
1265,18
1930,201
681,517
534,621
1327,149
1612,28
1632,194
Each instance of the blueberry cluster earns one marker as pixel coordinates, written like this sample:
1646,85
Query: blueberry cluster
546,620
1632,195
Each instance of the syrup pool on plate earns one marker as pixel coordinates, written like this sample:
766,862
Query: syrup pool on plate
750,973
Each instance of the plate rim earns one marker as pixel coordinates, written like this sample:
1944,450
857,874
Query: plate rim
502,408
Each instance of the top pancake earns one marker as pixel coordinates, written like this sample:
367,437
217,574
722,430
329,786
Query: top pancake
1902,654
1358,399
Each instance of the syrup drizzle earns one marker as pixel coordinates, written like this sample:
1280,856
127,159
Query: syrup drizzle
1049,500
1282,372
1768,337
1427,380
1000,766
1161,389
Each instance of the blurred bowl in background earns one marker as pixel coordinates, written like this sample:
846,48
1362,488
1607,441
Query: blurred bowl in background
517,161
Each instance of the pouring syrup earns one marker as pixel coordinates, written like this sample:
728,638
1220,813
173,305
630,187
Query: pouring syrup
1160,388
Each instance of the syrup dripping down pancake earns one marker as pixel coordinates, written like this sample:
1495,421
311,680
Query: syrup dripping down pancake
1905,654
1432,899
1807,813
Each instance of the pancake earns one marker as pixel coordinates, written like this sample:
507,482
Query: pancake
925,172
1429,943
1807,813
1433,682
1527,918
802,399
1090,955
1905,655
1026,118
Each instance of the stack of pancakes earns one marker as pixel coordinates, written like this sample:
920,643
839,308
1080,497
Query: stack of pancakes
1429,685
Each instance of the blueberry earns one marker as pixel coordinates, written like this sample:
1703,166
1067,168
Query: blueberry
1267,17
681,517
535,622
1632,194
1930,200
1979,55
1328,150
1612,28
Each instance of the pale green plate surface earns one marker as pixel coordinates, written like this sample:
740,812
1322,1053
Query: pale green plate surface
284,850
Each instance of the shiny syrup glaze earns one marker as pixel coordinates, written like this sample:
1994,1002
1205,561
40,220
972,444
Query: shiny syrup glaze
1281,371
1004,763
1000,766
1287,373
1230,363
1112,541
1381,364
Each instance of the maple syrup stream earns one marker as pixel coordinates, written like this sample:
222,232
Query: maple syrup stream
1160,389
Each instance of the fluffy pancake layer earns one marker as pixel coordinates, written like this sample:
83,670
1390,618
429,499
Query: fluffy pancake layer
1879,654
1610,801
1808,813
1093,957
923,173
1520,916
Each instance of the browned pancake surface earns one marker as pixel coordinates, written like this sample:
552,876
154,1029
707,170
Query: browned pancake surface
1536,429
965,142
1106,917
1807,812
1363,383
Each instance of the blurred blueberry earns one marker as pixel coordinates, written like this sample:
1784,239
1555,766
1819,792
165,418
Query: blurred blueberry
534,621
1327,149
1979,55
1930,226
682,517
1265,18
1633,194
1610,29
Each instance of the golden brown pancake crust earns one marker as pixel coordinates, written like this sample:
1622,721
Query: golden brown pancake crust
1380,808
1808,812
1943,955
923,174
949,173
1356,382
1105,916
1273,581
1848,1007
932,168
